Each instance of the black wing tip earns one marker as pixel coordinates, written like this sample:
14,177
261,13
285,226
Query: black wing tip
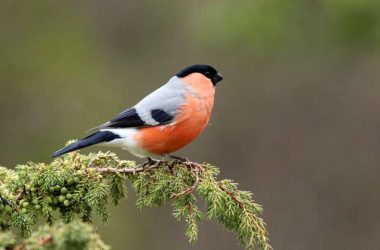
102,136
69,148
63,151
56,154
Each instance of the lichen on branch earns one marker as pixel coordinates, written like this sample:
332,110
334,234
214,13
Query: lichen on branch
76,186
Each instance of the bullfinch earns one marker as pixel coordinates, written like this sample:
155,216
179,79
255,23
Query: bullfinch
164,121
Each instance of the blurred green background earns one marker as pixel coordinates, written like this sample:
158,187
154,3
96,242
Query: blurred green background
296,119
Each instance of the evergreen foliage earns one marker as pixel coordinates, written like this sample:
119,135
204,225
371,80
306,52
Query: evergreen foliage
75,235
75,187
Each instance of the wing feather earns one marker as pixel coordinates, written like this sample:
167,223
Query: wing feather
158,108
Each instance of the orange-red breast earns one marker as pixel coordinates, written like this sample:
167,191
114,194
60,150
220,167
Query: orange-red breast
164,121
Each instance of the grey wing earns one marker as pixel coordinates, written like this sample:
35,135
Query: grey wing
158,108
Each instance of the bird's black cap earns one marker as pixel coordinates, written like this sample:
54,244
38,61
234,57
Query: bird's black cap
206,70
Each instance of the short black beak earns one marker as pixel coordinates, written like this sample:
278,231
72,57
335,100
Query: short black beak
217,78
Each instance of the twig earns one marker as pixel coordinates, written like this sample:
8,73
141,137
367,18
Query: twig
198,169
190,209
19,247
20,195
232,195
130,170
190,189
45,240
190,164
147,167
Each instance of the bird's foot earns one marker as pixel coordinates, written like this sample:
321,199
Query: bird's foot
178,158
149,162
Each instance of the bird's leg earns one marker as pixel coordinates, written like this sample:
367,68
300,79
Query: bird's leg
177,158
149,162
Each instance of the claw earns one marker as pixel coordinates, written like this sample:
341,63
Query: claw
149,162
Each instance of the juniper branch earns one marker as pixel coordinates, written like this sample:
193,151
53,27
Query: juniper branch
75,235
79,185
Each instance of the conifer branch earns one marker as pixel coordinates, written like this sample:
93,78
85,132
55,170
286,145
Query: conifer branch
80,185
75,235
190,189
231,195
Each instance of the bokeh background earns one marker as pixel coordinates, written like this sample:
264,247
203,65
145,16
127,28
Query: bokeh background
296,120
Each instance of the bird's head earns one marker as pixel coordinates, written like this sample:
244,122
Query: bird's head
204,69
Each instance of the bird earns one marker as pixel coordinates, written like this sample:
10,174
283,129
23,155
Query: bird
164,121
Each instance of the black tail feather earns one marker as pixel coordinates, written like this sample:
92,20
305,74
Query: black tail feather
102,136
